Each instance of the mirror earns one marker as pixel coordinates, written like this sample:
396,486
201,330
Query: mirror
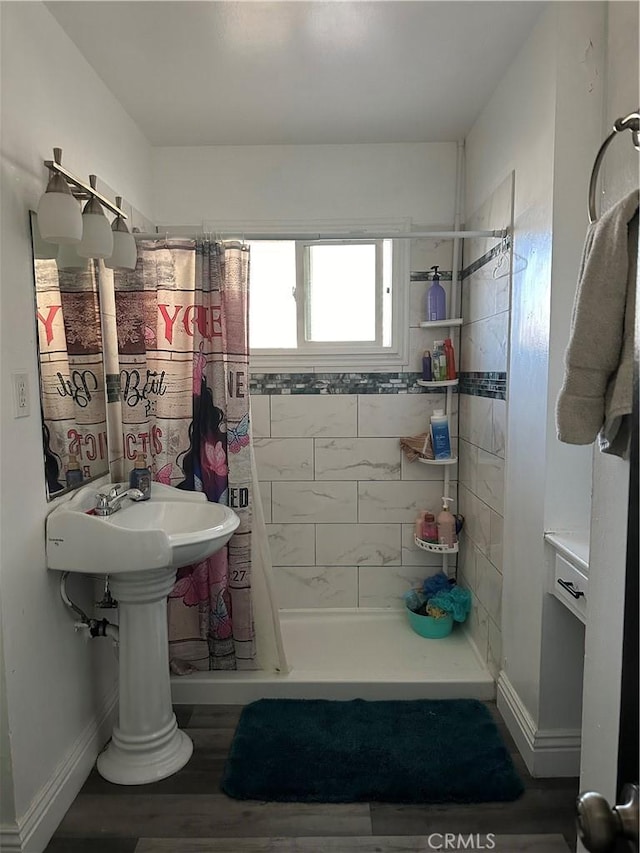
72,379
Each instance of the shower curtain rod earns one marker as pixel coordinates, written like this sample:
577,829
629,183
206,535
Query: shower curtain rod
352,235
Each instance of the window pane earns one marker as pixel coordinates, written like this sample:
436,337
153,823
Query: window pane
342,293
272,304
387,292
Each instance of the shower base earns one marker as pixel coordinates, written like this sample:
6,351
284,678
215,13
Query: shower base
350,654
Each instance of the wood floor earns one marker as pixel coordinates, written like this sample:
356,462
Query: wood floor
188,813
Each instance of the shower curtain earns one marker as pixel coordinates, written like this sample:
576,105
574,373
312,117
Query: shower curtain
182,327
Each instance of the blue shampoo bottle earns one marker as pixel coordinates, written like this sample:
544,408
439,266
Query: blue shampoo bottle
436,299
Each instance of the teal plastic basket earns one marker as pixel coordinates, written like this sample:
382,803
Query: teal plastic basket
428,626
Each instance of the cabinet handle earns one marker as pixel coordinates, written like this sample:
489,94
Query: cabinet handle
568,585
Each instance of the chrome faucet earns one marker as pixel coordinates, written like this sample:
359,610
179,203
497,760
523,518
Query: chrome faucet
108,504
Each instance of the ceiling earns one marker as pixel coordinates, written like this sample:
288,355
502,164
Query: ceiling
255,73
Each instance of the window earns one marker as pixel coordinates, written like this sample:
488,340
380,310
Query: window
315,304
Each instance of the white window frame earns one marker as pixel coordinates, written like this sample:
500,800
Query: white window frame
335,356
303,302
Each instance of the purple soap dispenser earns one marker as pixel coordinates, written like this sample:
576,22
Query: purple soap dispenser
436,299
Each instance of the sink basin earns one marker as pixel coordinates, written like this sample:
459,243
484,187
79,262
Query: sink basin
140,547
172,529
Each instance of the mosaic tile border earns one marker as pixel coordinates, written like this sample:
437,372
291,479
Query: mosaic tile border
484,384
113,387
503,246
427,275
267,384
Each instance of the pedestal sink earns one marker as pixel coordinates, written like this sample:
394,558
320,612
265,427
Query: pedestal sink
140,547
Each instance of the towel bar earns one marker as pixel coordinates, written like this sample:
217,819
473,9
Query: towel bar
630,122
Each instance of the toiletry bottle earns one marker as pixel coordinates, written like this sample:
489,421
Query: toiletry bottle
446,524
74,474
429,528
436,299
450,358
440,435
418,527
439,362
426,366
140,477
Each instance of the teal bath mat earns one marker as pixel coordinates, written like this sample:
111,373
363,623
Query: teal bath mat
420,751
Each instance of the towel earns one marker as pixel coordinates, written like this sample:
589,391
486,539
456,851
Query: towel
415,446
596,397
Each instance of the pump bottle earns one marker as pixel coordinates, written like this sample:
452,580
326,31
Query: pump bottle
436,299
446,524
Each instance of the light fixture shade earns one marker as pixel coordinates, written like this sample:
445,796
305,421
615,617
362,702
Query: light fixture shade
125,251
59,215
69,259
42,251
97,236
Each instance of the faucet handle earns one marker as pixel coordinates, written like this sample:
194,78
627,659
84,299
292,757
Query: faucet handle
115,491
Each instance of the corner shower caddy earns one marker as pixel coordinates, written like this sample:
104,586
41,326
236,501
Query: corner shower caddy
448,385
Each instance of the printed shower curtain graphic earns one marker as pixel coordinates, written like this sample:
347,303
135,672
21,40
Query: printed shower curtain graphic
183,343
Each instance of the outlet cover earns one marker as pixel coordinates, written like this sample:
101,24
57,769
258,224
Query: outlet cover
21,404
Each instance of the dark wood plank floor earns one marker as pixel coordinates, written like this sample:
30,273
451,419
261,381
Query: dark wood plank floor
188,813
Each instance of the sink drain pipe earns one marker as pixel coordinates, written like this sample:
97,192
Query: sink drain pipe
96,627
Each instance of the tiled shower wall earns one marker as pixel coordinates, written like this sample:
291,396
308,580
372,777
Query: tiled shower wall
340,498
484,362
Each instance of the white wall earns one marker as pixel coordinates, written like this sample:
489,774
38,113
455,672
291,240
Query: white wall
600,723
542,121
296,183
56,683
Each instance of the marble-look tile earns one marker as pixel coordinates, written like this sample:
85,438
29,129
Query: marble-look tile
489,587
260,415
265,497
384,586
479,294
477,625
496,539
316,586
476,424
414,556
396,415
490,482
284,458
320,502
477,519
427,251
292,544
396,502
467,564
417,302
419,341
358,544
499,427
421,471
484,344
357,458
494,649
468,464
311,415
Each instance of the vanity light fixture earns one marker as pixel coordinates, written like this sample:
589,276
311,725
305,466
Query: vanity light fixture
60,219
97,236
59,216
69,259
125,251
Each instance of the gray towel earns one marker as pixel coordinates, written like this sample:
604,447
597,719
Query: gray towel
597,392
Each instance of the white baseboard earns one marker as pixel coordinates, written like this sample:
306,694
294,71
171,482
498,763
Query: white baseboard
34,829
546,752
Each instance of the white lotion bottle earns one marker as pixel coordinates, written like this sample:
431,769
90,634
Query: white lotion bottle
440,435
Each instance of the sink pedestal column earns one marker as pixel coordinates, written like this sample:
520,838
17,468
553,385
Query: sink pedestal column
146,744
